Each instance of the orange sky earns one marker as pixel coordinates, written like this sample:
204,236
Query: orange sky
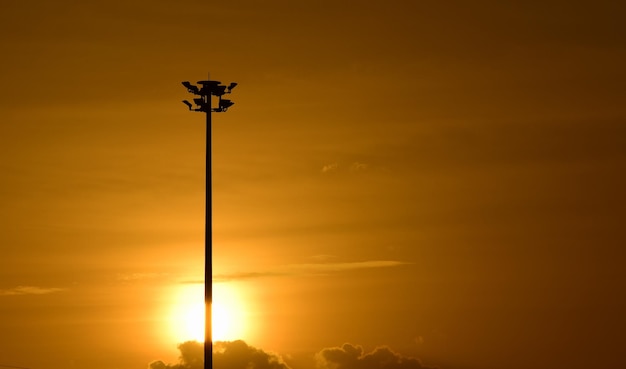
445,178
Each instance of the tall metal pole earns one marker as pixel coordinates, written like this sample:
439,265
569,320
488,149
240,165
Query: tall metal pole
208,245
209,88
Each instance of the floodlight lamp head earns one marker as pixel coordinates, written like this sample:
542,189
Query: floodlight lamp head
191,88
218,90
225,104
202,104
188,104
231,86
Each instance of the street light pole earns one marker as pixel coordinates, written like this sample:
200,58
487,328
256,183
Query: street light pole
203,104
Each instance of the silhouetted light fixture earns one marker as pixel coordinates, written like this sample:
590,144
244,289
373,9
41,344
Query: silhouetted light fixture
225,104
203,104
191,88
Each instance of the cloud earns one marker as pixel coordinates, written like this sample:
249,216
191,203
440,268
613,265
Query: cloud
29,290
245,275
350,356
127,277
356,166
310,269
191,357
158,364
339,267
226,355
353,167
323,257
330,168
238,355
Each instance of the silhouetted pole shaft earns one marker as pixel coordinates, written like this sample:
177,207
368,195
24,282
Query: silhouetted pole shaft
208,243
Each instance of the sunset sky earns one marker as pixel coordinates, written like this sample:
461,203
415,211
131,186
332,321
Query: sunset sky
445,178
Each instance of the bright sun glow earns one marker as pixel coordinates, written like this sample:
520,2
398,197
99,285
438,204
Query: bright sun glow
187,314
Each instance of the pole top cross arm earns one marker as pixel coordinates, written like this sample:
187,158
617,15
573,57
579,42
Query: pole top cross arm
206,91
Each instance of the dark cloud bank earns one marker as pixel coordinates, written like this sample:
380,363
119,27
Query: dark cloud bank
352,357
239,355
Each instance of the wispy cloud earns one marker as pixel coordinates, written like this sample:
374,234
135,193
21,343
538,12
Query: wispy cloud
30,290
329,168
13,366
127,277
323,257
356,167
308,269
340,267
246,275
353,167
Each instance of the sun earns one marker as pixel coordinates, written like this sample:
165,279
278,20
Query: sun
229,318
186,315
